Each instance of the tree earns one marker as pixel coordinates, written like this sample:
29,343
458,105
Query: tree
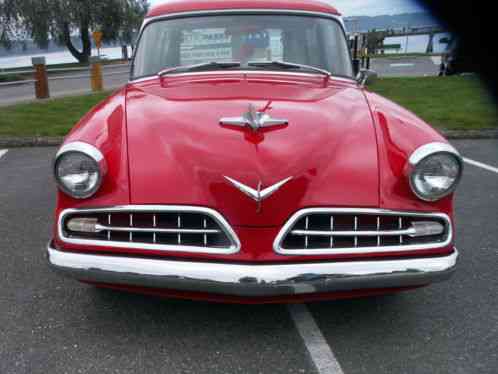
62,21
375,40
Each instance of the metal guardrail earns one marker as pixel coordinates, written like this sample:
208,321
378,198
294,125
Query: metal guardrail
61,77
116,73
16,83
60,70
18,72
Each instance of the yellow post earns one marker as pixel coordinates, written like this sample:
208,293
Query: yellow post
97,38
96,74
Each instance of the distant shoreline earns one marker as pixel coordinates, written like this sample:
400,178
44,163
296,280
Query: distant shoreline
57,57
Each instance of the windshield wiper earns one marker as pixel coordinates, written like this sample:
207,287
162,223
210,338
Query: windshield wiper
288,65
206,65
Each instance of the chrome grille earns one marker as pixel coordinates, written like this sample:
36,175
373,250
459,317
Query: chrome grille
164,228
356,231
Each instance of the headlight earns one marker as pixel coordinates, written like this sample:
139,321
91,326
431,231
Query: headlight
79,169
434,171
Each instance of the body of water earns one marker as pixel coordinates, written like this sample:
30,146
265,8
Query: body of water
62,57
412,44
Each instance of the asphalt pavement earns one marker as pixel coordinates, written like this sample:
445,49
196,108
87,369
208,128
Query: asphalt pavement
418,66
49,324
117,76
64,84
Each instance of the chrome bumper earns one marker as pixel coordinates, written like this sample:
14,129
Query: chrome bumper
252,280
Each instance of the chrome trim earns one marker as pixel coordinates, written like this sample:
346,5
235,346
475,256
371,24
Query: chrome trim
242,11
363,250
257,195
220,220
429,149
85,148
100,228
410,231
244,72
252,280
253,119
422,153
92,152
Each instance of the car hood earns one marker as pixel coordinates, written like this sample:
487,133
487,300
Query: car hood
180,154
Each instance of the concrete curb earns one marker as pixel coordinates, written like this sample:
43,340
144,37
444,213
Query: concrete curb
38,141
52,141
471,134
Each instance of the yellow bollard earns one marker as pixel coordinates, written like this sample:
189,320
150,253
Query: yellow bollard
96,74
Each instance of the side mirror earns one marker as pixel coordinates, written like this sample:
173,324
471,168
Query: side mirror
366,77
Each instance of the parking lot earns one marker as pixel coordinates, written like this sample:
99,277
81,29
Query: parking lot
65,84
53,325
116,75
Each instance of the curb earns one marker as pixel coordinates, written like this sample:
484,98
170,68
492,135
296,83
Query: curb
470,134
52,141
39,141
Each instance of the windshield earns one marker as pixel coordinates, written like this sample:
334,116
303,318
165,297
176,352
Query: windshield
306,40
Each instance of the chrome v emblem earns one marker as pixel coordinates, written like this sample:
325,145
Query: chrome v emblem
253,119
258,195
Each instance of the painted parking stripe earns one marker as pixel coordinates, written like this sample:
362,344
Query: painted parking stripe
480,165
402,65
436,60
3,152
320,352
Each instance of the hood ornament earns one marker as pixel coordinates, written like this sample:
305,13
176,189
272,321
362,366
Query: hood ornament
258,195
253,119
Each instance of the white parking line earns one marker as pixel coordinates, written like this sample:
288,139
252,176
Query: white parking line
3,152
481,165
321,354
402,65
436,60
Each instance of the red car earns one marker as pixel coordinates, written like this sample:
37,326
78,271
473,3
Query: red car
246,162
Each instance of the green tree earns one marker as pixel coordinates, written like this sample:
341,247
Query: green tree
64,20
375,40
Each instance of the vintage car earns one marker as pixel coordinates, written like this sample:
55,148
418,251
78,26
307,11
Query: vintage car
245,161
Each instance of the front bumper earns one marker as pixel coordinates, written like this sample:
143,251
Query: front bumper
252,280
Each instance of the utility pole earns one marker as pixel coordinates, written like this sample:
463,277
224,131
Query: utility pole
407,36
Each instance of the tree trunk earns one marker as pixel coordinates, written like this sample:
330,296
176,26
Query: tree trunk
84,55
124,52
86,40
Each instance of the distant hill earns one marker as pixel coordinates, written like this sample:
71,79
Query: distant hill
365,23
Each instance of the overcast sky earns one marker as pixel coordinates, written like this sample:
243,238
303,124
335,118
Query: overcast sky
364,7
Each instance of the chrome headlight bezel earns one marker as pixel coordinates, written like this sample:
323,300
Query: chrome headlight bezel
91,153
421,155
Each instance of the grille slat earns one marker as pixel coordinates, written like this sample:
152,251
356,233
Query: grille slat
355,231
352,233
158,228
154,229
400,221
131,225
306,237
378,230
154,224
359,231
332,230
109,223
179,235
204,225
